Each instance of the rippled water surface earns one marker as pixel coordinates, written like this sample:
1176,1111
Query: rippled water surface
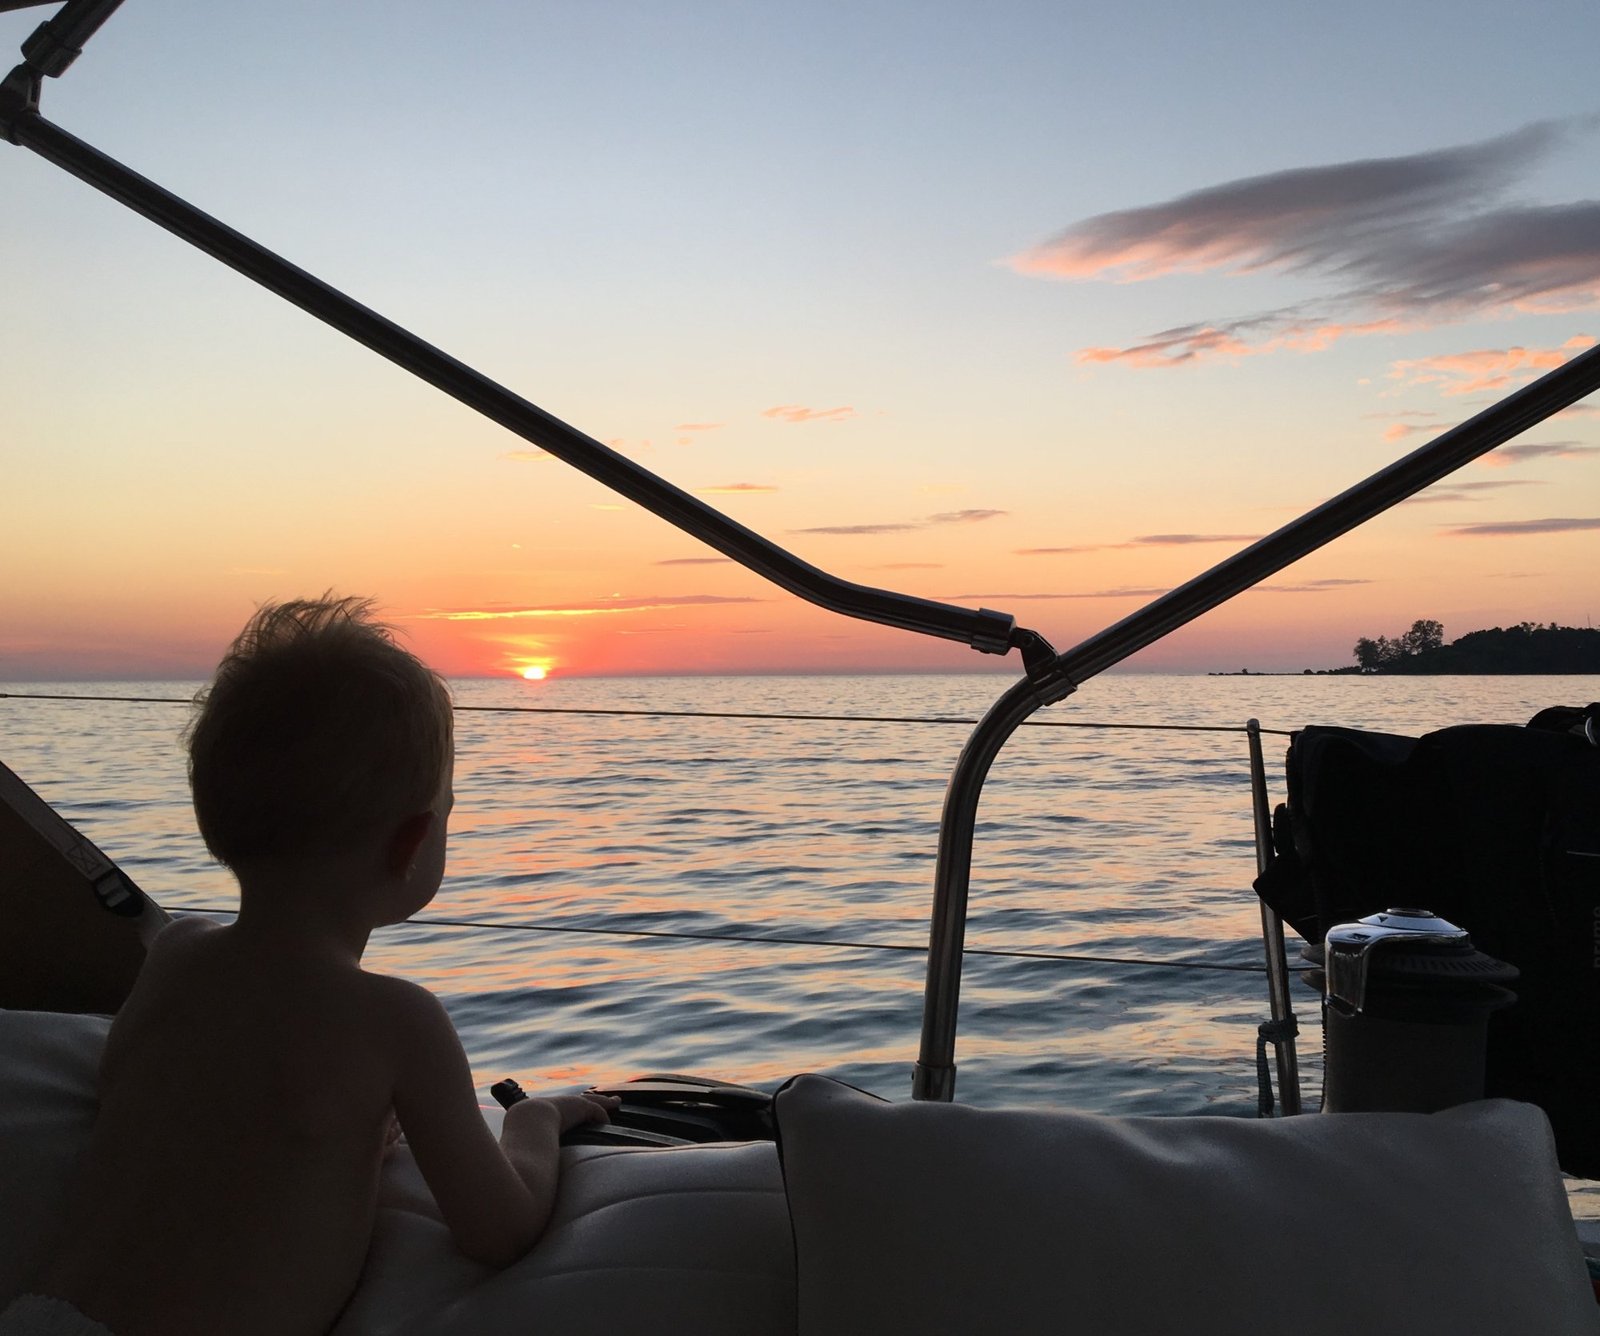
582,837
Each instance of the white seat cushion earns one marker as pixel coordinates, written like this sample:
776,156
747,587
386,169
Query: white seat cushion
939,1217
694,1240
48,1065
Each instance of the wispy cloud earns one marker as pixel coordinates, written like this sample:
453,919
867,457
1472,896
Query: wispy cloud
594,608
1123,592
973,516
736,488
527,456
1506,455
1398,431
854,529
1286,328
1409,242
1144,540
1309,587
1184,539
1517,528
797,413
1485,368
696,561
1443,492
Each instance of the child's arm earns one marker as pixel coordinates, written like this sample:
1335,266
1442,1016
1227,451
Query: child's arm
496,1202
530,1139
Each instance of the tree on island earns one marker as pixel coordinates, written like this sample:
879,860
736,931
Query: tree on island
1524,648
1423,636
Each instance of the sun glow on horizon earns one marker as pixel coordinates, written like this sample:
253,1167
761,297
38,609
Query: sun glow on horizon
535,672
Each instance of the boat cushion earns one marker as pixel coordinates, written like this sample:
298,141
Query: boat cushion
912,1217
692,1240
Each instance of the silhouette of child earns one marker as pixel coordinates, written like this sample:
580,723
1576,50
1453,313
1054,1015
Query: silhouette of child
250,1083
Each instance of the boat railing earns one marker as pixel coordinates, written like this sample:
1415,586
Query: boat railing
1050,676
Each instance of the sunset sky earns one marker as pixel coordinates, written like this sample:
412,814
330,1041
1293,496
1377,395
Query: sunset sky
1042,307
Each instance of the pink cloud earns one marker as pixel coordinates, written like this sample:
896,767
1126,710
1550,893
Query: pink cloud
1398,431
972,516
732,488
1309,587
501,612
1411,242
1514,528
1485,368
1173,348
797,413
1194,343
1183,539
1506,455
1442,493
1125,591
853,530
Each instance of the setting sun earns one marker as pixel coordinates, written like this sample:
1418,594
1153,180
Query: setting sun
533,673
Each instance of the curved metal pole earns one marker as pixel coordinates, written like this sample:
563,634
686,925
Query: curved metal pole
984,630
934,1076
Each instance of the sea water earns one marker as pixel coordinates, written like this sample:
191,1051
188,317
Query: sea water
600,850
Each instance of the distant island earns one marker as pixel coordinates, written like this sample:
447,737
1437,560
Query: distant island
1526,648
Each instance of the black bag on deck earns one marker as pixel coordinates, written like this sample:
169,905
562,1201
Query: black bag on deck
1495,827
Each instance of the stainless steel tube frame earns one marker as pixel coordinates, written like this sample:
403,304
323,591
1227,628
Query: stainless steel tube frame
1278,995
934,1075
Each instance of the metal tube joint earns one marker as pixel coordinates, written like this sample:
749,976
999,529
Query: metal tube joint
19,97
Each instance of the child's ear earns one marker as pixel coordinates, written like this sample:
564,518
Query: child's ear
407,839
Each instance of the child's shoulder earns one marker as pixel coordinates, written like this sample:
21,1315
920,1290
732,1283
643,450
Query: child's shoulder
419,1033
408,1006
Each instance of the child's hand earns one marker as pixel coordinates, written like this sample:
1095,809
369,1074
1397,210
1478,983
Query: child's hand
540,1115
575,1110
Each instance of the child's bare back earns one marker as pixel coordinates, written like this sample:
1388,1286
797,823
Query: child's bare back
252,1082
230,1181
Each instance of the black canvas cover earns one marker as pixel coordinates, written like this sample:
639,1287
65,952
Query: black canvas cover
1495,827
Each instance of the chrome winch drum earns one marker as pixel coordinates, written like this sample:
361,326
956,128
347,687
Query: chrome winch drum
1406,1011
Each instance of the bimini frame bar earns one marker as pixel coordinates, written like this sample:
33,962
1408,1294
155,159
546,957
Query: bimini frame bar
58,41
935,1073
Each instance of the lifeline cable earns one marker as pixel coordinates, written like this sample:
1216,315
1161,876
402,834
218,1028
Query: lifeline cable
708,714
753,940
